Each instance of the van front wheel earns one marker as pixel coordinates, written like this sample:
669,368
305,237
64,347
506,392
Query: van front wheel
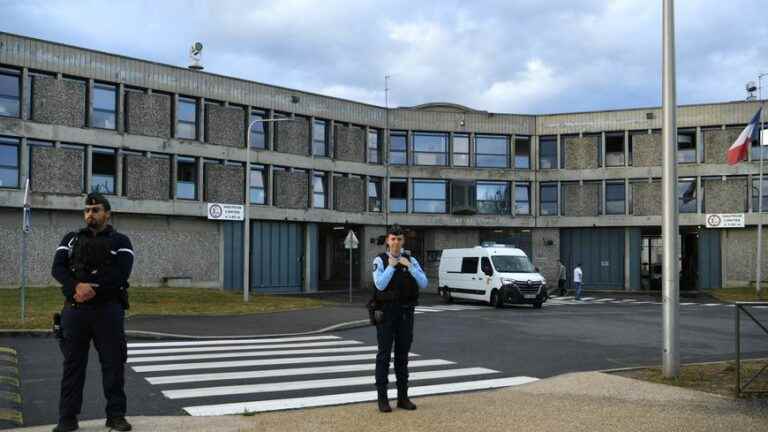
446,295
496,300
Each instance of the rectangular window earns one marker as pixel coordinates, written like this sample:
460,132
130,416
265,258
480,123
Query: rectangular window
398,148
186,178
10,91
469,265
430,148
491,151
756,193
614,198
522,152
186,118
318,190
686,195
686,147
522,198
374,194
493,198
548,152
430,196
104,110
461,150
373,146
9,162
258,185
398,195
103,170
548,199
258,130
614,149
319,138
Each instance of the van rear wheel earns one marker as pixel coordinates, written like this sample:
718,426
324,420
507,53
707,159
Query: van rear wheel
496,300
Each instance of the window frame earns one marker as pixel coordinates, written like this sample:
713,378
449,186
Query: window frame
414,199
623,201
553,140
444,154
104,151
320,140
543,202
5,141
100,86
454,153
262,169
373,150
693,151
186,160
405,200
17,74
507,203
404,152
182,101
377,183
525,139
608,137
323,176
527,186
479,155
261,130
681,196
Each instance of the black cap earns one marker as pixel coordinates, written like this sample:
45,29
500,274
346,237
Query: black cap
95,198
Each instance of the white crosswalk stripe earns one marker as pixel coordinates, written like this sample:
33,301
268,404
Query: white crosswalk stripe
300,376
449,308
570,301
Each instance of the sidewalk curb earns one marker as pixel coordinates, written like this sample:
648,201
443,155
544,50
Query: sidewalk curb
141,334
634,368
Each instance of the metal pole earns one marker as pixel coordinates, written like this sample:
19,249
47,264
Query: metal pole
385,200
350,275
23,273
26,226
759,263
738,350
247,218
670,231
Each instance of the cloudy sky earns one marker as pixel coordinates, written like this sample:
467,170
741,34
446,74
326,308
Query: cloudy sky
518,56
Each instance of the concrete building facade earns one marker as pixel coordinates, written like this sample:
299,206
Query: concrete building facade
164,141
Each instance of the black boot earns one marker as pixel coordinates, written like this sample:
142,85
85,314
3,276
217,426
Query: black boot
402,399
118,424
383,400
66,424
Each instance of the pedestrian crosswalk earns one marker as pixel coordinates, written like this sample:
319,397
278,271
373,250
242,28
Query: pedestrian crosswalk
446,308
219,377
571,301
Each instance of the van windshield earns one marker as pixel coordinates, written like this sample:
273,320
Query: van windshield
512,264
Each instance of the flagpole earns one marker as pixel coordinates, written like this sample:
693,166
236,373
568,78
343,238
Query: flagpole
759,264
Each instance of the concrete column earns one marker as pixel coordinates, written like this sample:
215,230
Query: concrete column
201,135
559,198
449,161
700,145
331,136
174,174
89,103
270,144
331,191
25,90
699,203
311,194
534,155
472,146
601,151
270,189
174,109
603,199
409,158
534,204
626,196
366,181
120,114
559,157
627,154
118,172
24,161
200,179
409,200
308,285
88,167
512,147
749,194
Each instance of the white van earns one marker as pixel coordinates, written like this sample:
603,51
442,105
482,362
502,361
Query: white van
495,274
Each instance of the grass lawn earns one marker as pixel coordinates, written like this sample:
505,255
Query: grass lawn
43,302
718,378
739,294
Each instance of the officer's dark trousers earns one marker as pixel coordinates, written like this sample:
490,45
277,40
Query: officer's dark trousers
396,328
104,325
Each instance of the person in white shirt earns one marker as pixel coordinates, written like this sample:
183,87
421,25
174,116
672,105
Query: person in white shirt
578,276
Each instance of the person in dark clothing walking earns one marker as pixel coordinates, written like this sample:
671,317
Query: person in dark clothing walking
398,278
93,266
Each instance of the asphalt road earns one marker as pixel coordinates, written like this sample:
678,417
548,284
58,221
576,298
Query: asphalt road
466,348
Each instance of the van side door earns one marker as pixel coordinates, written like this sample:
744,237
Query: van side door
485,275
467,282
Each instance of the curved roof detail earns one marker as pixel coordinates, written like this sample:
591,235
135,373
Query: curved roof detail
444,107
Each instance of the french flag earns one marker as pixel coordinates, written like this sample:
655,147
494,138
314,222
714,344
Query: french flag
738,151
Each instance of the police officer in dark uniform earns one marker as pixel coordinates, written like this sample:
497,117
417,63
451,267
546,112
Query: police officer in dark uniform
93,265
398,279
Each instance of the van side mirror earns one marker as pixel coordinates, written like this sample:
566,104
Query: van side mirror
537,270
488,271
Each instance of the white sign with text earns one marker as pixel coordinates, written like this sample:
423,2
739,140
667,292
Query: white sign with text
218,211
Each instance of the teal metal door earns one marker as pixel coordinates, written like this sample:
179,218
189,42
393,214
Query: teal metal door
277,257
709,268
600,252
233,255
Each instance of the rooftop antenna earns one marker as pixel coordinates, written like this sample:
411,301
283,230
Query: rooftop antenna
195,53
